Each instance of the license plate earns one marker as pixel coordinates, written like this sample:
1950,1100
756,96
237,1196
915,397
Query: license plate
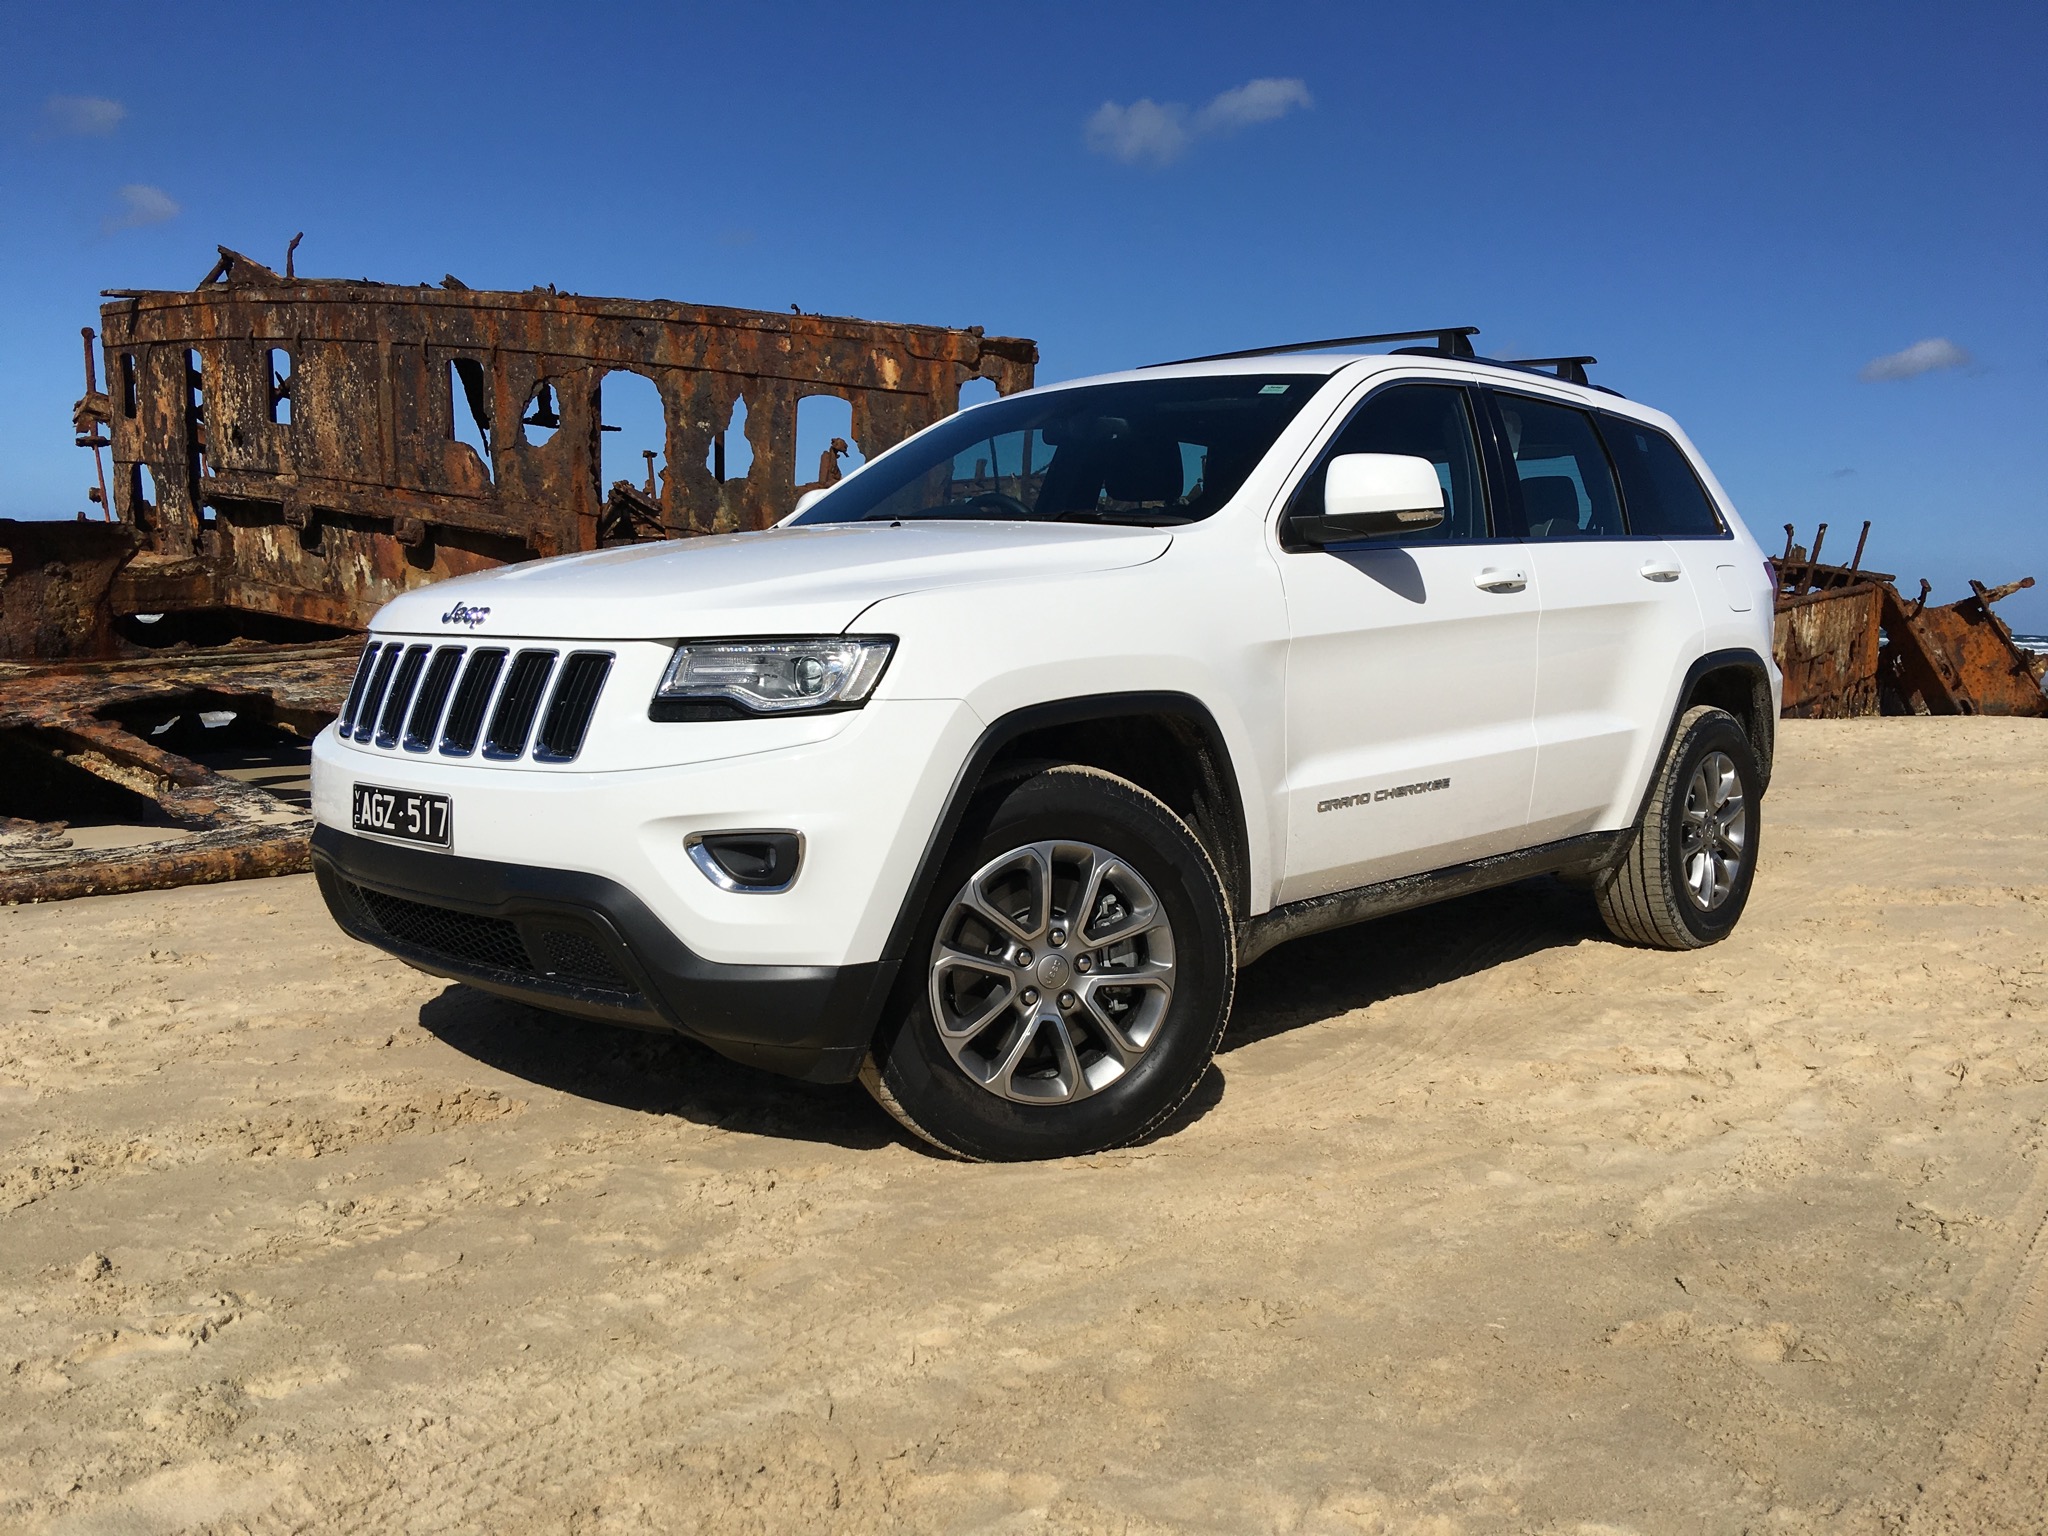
405,814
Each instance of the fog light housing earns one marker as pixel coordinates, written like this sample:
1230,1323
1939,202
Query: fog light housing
757,862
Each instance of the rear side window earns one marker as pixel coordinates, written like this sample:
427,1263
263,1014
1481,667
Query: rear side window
1663,494
1567,488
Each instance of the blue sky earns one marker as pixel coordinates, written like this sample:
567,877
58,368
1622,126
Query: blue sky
1738,208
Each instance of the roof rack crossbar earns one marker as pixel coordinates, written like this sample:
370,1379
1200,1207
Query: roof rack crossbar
1451,341
1572,370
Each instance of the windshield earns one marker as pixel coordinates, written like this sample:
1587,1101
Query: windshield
1151,453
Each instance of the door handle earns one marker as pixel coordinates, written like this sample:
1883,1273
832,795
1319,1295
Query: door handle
1494,579
1661,570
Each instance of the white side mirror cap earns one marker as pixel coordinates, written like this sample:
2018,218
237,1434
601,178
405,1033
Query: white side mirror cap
1373,494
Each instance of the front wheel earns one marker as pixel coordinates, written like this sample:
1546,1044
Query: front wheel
1686,877
1074,969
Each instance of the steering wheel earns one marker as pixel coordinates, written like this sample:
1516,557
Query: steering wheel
1001,502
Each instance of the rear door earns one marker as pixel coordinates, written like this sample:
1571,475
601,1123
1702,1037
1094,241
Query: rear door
1620,620
1411,672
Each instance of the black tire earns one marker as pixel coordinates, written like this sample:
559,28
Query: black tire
916,1077
1647,898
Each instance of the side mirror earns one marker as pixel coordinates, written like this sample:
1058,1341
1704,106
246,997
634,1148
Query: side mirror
1372,495
806,501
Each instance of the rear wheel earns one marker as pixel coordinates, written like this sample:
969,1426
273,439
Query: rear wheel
1686,878
1074,972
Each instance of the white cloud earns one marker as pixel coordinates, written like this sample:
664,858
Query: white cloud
1929,356
92,117
1148,132
1256,101
140,205
1143,132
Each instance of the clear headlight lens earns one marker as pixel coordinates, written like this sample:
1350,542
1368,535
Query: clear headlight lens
778,677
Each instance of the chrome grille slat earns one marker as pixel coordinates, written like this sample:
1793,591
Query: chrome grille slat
373,696
403,683
518,705
433,694
571,706
472,698
355,692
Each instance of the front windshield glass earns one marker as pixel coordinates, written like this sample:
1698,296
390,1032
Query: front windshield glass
1151,453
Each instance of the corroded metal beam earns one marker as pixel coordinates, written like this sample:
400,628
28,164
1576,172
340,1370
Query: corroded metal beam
295,447
57,719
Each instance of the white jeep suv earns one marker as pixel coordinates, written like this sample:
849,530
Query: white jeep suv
979,775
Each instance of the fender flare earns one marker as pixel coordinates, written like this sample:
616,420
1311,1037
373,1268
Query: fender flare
1037,717
1761,729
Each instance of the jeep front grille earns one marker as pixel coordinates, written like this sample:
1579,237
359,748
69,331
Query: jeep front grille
403,695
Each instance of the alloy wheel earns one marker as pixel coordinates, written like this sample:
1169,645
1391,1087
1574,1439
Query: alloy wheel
1051,972
1714,831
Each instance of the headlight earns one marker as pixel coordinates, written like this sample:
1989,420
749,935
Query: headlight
713,678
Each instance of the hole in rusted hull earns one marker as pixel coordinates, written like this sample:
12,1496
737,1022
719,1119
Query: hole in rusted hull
469,409
826,448
731,454
543,415
635,424
277,368
38,782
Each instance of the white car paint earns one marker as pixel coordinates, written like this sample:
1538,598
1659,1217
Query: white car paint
1536,678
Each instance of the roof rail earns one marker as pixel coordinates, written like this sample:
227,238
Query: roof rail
1451,341
1572,370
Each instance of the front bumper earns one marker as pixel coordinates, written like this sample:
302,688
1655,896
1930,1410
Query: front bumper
582,944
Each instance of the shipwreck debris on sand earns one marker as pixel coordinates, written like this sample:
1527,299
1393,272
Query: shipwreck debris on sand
276,457
1850,645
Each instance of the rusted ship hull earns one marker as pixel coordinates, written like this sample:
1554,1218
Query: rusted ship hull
281,456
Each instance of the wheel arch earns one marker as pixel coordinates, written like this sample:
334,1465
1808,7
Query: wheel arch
1168,744
1736,680
1739,682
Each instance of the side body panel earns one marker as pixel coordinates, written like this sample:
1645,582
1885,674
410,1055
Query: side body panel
1409,687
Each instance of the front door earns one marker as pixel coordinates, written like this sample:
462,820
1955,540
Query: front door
1411,674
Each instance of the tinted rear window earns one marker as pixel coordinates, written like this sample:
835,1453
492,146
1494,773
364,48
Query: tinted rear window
1663,495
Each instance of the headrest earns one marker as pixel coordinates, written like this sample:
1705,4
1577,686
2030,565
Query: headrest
1551,499
1143,469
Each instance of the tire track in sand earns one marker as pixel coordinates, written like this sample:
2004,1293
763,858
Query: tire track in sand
1992,1473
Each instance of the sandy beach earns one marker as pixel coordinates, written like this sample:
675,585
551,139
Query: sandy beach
1481,1223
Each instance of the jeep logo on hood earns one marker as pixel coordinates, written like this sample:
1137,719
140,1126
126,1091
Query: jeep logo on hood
462,614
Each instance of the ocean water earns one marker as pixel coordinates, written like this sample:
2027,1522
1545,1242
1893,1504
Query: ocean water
2033,642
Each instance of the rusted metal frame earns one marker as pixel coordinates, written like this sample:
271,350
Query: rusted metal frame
232,829
1916,673
542,500
1985,668
1827,646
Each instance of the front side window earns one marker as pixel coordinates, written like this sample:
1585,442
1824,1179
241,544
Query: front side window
1427,421
1151,453
1422,420
1664,496
1567,487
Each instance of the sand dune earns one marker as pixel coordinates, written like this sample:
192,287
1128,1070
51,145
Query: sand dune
1482,1223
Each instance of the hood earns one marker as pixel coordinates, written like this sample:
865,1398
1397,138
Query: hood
813,580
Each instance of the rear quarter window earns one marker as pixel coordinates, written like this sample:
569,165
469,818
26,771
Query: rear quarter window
1662,494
